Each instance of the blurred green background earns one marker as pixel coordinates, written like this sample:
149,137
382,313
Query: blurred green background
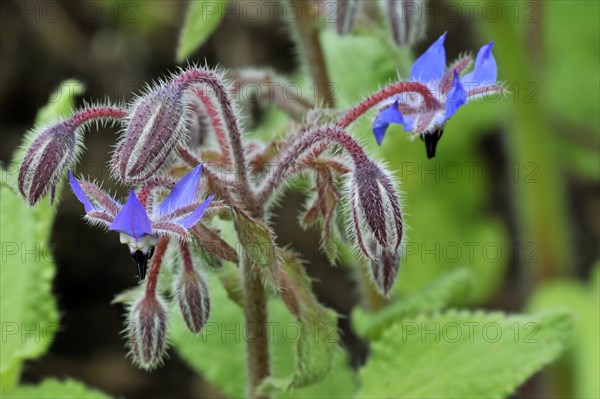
513,194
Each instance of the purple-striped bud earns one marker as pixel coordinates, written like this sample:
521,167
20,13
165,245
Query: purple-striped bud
194,302
406,19
147,331
384,268
157,122
376,211
48,157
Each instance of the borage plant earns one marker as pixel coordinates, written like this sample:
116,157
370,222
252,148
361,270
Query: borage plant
162,132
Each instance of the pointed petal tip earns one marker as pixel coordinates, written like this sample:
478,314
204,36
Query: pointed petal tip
432,63
189,221
132,219
379,133
78,191
183,194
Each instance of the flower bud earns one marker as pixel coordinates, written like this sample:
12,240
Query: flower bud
49,155
376,212
147,331
406,21
192,295
384,268
156,124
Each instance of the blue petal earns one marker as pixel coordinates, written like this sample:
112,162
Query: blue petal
190,220
485,70
389,115
457,97
183,194
132,219
80,194
431,64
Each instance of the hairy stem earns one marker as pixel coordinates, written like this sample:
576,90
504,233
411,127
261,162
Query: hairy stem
102,112
152,184
313,53
384,94
186,257
157,259
207,109
199,76
333,134
255,313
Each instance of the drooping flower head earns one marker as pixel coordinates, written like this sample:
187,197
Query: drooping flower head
141,222
451,87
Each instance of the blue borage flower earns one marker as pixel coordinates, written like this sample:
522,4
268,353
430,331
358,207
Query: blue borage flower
450,89
141,222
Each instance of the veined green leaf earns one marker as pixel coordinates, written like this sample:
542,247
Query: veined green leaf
460,354
445,291
29,317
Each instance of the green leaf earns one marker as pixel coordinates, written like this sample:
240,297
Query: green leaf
258,244
447,290
461,354
28,316
201,20
52,388
317,325
577,376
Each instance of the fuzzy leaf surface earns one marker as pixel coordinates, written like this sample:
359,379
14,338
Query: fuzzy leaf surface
447,290
461,354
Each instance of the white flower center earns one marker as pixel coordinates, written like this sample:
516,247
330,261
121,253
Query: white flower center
143,244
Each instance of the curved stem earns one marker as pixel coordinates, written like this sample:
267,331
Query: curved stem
208,110
102,112
334,134
211,79
376,98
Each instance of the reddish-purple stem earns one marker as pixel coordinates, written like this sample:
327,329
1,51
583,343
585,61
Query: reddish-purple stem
89,114
333,134
211,79
157,259
401,87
